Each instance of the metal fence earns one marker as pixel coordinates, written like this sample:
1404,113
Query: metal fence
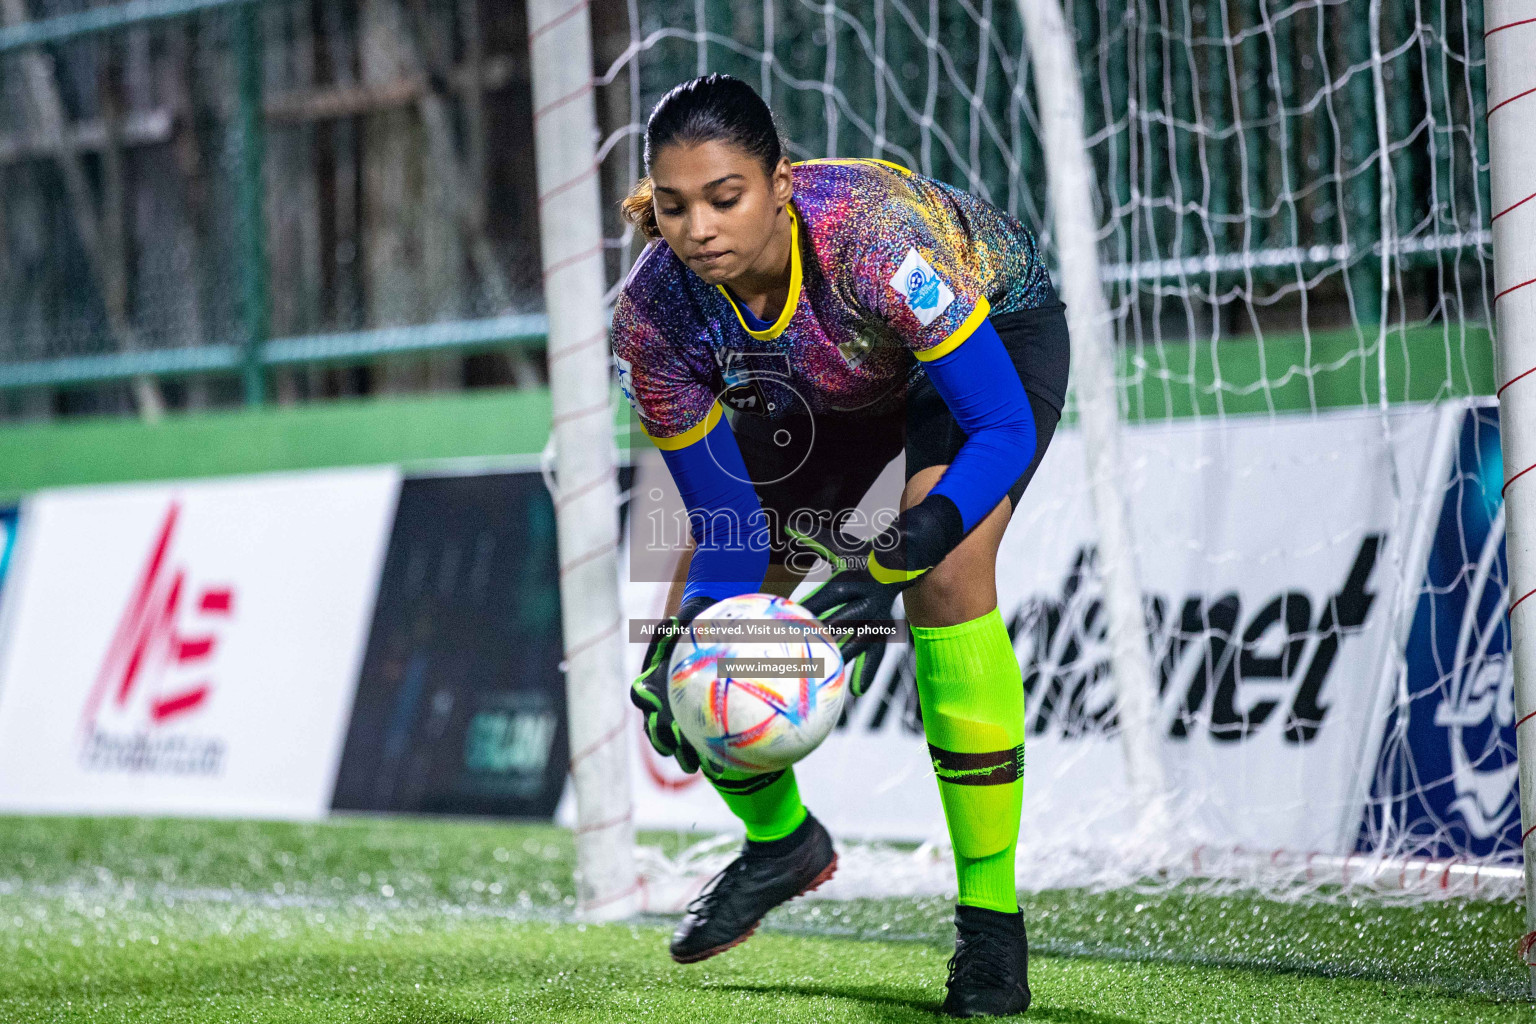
232,187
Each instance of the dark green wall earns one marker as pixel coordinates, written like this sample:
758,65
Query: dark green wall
341,433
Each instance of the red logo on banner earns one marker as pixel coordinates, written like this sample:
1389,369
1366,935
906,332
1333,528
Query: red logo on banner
155,673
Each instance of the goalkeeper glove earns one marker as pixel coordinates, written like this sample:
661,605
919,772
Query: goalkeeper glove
649,690
868,576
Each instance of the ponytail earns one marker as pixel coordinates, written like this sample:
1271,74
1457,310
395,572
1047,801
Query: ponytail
638,210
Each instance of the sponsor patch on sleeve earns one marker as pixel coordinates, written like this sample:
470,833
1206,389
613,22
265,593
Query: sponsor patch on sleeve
627,384
925,291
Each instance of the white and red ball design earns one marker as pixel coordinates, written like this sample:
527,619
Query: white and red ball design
759,722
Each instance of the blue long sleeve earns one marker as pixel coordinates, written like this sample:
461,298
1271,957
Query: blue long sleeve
730,530
980,385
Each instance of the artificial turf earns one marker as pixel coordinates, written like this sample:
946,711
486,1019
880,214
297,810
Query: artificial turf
397,920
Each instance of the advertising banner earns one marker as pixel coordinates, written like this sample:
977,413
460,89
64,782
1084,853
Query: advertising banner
1268,561
188,648
10,520
461,705
1446,781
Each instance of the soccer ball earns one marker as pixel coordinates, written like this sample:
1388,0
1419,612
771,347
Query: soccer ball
760,720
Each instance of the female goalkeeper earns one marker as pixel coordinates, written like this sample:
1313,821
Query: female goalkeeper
845,312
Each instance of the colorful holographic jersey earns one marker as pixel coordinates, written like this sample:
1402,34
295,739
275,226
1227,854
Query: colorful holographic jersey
885,263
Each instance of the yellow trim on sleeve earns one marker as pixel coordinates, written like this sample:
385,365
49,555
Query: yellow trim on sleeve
692,434
965,330
856,160
884,575
791,302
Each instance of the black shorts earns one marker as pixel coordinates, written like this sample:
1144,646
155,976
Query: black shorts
826,464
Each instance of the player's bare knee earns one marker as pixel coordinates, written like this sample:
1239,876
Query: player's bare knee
940,588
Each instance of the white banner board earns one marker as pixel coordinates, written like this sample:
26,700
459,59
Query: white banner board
188,648
1270,555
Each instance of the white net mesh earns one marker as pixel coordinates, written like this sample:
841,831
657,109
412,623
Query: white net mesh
1294,241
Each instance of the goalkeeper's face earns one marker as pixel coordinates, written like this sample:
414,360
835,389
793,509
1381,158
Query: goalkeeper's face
718,209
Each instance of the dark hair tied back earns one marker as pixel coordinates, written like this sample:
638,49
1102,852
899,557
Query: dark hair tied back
713,108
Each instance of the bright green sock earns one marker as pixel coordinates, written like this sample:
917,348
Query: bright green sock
769,805
972,697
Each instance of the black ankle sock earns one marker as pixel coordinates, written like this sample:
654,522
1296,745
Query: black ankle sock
779,847
981,917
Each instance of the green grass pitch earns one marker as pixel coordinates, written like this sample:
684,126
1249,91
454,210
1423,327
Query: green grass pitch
391,920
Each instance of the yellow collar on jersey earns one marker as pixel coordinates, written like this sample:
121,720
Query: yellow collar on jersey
791,302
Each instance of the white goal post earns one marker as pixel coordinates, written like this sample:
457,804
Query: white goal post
586,485
1511,42
1070,179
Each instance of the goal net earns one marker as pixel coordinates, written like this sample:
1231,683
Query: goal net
1293,232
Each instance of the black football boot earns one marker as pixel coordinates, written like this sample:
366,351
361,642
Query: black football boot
765,875
989,973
